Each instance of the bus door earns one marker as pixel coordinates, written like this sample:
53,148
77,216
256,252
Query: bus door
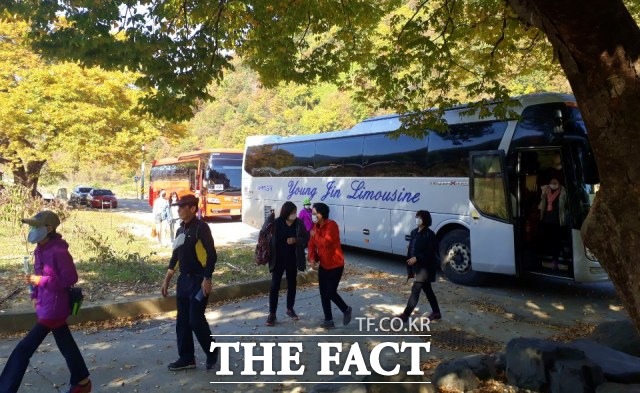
546,247
491,228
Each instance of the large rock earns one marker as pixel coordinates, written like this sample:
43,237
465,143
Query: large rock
465,373
346,384
619,335
403,383
529,361
575,376
617,366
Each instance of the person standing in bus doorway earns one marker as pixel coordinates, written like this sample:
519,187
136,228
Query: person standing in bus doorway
288,242
305,214
422,264
160,207
55,273
325,255
174,219
553,207
195,250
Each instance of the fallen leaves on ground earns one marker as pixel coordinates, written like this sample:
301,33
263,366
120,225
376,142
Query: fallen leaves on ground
574,332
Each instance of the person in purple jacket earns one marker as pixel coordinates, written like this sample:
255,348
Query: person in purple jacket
54,272
305,214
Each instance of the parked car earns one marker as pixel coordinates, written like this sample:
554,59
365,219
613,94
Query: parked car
79,195
102,198
45,195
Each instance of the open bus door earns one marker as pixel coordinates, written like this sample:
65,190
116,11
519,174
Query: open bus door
491,229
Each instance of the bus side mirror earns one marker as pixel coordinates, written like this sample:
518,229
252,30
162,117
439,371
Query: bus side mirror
558,122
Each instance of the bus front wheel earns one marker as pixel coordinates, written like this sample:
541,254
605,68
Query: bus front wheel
455,256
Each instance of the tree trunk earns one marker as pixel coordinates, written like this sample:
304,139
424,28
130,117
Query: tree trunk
28,175
597,44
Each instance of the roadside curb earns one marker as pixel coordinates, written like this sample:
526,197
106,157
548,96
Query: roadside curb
21,321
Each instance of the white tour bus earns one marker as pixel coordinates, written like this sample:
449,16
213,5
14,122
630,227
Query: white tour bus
481,182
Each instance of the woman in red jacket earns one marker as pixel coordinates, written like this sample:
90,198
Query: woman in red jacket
55,272
325,249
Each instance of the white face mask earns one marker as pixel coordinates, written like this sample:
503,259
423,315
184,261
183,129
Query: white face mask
553,186
418,221
292,217
314,218
37,234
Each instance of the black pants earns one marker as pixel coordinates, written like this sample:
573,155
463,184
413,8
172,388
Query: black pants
191,319
328,281
276,277
415,295
551,236
16,366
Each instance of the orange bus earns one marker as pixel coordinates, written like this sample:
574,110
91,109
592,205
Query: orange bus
213,175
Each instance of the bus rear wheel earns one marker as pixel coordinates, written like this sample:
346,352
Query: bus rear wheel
455,254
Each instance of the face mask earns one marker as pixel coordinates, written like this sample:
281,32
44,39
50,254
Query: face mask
174,199
553,186
418,221
307,207
292,217
37,234
314,218
178,241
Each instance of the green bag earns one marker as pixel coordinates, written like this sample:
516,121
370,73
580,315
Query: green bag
75,300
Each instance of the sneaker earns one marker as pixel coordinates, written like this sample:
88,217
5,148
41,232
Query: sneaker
292,314
347,316
182,365
271,319
328,324
212,358
86,388
435,315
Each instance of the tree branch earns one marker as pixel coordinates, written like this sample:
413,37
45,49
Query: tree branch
500,39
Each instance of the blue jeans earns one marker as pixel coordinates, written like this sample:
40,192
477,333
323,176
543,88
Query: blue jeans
191,319
16,366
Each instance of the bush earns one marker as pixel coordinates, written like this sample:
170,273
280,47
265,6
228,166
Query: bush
17,203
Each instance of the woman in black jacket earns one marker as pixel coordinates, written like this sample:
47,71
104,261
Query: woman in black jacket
422,264
288,242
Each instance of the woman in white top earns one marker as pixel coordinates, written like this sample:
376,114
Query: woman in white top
174,219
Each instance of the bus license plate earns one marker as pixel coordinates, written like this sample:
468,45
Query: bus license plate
235,212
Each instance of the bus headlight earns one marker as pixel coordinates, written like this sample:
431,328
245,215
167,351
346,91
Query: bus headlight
213,200
590,255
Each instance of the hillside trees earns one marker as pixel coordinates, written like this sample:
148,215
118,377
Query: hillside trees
407,55
244,107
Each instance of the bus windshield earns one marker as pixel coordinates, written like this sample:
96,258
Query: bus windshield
224,174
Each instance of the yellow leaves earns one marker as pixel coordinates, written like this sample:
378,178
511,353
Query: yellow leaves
48,107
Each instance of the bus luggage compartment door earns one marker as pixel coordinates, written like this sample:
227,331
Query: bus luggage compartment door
368,228
491,229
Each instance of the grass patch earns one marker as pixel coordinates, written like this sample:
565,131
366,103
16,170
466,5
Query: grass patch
237,264
115,257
